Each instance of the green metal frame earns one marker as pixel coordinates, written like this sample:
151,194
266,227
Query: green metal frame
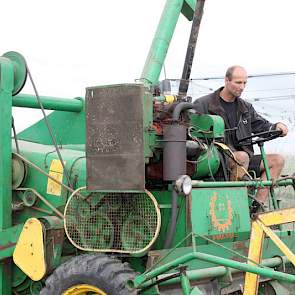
6,88
147,279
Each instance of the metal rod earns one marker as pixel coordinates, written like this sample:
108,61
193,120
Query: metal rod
44,173
49,103
268,175
214,272
259,183
185,284
58,213
190,53
265,272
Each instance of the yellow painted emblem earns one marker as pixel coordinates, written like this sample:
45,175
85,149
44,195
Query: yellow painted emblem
56,171
221,224
28,254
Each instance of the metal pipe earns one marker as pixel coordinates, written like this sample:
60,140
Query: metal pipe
217,271
180,108
161,41
171,231
268,175
185,284
265,272
264,183
49,103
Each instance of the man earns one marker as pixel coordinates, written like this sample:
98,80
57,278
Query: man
241,120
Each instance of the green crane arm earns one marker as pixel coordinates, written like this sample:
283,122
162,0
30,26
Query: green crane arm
158,51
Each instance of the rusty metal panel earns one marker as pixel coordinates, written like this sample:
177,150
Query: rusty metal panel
114,138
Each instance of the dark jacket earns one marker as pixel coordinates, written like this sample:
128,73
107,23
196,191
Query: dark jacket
249,121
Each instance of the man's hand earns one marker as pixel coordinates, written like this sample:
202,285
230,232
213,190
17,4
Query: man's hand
282,127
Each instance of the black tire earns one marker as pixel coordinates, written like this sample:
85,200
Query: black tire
107,273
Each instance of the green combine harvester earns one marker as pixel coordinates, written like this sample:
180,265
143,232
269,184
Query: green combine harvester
126,191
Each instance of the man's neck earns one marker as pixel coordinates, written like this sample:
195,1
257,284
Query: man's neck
226,96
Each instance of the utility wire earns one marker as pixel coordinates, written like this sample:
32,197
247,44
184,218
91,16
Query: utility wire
269,90
249,76
273,98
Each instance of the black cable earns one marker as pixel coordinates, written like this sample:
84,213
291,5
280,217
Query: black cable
72,168
159,281
48,126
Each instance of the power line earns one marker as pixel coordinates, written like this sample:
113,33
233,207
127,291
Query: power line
271,89
273,98
249,76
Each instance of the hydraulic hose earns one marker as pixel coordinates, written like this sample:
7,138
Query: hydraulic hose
171,231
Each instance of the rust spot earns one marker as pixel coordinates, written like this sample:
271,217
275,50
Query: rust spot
242,246
9,245
223,236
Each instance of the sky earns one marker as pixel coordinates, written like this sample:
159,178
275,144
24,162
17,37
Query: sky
71,45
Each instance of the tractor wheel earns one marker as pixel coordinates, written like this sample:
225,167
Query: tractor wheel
90,274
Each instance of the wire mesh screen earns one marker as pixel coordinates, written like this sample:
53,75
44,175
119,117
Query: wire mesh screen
114,222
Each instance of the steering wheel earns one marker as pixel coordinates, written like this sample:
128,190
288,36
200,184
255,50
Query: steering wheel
261,137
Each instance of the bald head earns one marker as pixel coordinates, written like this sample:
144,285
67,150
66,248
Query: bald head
234,82
235,70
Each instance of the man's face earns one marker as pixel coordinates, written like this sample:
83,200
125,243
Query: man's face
237,83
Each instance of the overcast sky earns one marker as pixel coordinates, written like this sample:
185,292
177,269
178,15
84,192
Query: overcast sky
70,45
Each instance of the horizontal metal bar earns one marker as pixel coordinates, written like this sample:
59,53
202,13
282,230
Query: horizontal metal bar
214,272
49,103
264,183
265,272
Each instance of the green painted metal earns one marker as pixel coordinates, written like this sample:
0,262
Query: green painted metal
42,156
266,272
220,214
206,126
20,70
157,54
213,223
158,51
236,250
8,239
73,131
265,183
215,272
188,8
149,135
164,200
207,163
185,284
49,103
268,175
6,88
